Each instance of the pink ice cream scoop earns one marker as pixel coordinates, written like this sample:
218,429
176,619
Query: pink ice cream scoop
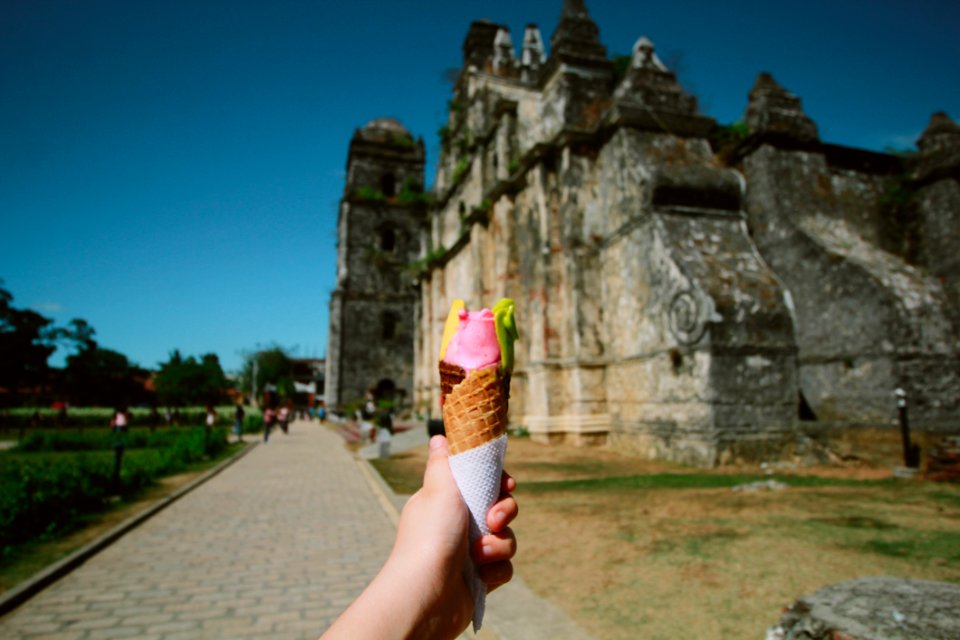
474,345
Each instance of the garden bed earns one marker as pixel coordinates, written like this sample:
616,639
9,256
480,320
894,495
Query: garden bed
53,480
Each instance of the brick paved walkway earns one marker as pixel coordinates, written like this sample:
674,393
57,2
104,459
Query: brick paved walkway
275,546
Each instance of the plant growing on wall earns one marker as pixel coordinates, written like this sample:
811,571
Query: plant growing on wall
369,193
444,133
412,193
425,263
463,164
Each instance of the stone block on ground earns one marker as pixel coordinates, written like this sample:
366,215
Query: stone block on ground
874,608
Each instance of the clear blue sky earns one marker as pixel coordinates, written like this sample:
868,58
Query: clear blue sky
170,170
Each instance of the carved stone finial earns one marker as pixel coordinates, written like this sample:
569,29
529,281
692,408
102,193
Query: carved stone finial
644,55
532,47
773,109
649,84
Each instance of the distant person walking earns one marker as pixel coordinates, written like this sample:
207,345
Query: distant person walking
120,420
238,416
284,417
209,424
269,417
366,414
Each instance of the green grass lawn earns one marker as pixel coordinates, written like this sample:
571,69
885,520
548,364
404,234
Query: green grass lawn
631,548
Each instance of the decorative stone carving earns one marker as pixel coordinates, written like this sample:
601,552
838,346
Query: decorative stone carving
688,315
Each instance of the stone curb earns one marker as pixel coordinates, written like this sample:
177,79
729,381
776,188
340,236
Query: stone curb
44,578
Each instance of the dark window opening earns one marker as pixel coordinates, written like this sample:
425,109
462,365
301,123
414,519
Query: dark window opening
389,322
388,239
388,185
804,410
676,360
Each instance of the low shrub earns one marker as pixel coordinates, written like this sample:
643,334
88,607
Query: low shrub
105,439
45,489
100,416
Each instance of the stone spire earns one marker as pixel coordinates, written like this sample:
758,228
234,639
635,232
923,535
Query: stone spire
532,47
504,57
649,84
478,46
532,56
577,34
942,133
774,110
939,147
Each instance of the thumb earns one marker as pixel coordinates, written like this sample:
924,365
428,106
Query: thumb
437,475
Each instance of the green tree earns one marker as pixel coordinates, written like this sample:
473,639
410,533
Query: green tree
189,381
100,377
26,341
273,367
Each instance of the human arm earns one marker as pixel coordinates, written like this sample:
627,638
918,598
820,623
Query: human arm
420,592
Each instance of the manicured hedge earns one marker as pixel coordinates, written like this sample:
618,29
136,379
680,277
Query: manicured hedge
46,489
102,439
16,418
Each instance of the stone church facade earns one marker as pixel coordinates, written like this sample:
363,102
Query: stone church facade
685,291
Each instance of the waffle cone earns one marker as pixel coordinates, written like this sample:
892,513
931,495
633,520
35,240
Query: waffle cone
475,410
450,376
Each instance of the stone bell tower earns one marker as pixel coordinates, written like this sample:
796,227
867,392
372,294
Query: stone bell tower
372,308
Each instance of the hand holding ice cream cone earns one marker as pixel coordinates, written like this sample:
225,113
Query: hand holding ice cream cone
476,360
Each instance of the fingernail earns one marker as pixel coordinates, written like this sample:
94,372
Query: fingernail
436,442
487,551
498,518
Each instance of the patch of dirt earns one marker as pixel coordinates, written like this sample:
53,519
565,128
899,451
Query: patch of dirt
710,563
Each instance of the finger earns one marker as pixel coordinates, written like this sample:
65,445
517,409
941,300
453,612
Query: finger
495,575
437,466
495,547
507,483
502,513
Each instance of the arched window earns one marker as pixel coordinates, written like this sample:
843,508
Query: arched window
388,185
386,390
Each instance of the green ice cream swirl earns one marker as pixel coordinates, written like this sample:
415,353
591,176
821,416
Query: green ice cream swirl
506,327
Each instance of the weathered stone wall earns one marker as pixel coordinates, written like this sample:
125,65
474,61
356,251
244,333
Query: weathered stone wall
373,317
701,344
685,298
867,321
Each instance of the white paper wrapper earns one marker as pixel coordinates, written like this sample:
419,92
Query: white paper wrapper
477,472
